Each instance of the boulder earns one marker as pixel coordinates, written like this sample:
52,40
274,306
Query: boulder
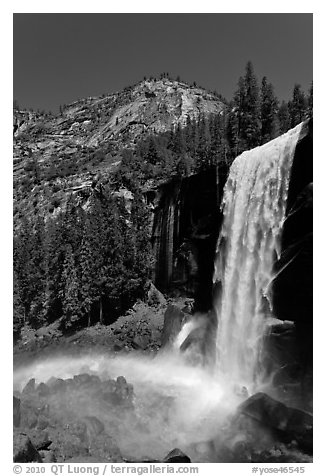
194,345
174,319
47,456
42,422
78,428
189,306
124,391
118,392
24,450
292,291
82,380
57,385
94,426
29,387
155,297
39,438
199,345
288,423
140,342
43,390
176,456
68,441
29,416
16,411
104,446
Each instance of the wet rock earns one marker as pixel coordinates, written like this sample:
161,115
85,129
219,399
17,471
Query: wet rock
24,450
39,438
65,444
16,411
292,293
189,306
43,390
29,416
82,380
42,422
118,347
199,345
94,426
57,385
29,387
109,386
194,345
124,391
176,456
140,342
78,428
290,423
47,456
118,392
155,297
174,319
241,391
105,446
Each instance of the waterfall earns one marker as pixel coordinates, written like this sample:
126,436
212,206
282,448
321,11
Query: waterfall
254,207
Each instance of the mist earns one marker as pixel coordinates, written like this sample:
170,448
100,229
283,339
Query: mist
175,404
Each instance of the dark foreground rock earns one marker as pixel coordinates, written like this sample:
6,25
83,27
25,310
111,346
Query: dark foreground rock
286,423
174,319
176,456
24,450
74,418
16,410
200,346
292,293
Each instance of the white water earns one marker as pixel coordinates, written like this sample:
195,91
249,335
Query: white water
254,206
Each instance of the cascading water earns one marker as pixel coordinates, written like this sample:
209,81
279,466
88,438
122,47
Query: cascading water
254,206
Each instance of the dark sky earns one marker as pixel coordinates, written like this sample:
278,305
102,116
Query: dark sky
59,58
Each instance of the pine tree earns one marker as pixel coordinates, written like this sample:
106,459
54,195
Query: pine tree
179,143
185,165
309,112
204,144
235,125
297,106
192,137
284,117
55,252
22,258
70,295
151,156
250,117
219,146
268,112
37,279
18,307
29,269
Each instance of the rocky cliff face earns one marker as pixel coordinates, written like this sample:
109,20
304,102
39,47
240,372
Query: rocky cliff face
187,218
291,343
57,155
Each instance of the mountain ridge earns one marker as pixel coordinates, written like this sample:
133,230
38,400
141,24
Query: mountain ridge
58,154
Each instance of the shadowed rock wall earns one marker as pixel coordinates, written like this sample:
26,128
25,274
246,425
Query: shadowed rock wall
187,218
293,286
